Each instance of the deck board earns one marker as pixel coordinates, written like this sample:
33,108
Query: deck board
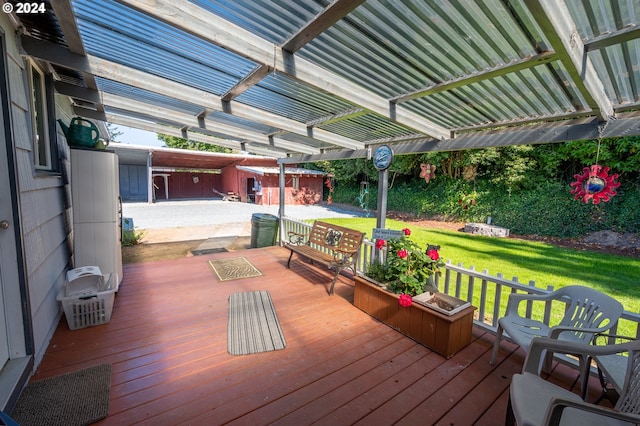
167,345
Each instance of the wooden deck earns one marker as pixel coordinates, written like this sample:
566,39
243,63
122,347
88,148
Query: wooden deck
167,343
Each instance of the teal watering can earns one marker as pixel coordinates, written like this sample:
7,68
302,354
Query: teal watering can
81,132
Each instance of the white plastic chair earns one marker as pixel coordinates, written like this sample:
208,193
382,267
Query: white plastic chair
535,401
611,368
588,311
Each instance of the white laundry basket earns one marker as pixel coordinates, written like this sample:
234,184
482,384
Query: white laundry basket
86,305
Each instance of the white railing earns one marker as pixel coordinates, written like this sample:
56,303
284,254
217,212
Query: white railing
486,292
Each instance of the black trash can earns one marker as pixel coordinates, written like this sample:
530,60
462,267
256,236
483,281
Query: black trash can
264,230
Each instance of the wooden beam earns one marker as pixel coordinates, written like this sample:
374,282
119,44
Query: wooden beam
542,58
193,123
334,118
211,28
626,125
171,131
77,92
89,113
250,80
69,26
113,71
558,26
330,15
616,37
325,19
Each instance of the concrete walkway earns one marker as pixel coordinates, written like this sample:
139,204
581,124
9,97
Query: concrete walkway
169,221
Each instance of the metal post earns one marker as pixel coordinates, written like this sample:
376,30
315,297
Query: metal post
383,186
150,178
281,201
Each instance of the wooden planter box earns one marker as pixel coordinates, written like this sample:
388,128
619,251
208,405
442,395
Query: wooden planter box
444,334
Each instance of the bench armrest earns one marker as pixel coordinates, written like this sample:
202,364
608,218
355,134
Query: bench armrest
344,258
297,238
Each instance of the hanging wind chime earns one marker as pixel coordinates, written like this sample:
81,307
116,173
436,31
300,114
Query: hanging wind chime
427,171
329,183
595,183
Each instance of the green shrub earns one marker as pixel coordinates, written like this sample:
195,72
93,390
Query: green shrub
545,208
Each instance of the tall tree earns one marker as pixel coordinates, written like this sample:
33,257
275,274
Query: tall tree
181,143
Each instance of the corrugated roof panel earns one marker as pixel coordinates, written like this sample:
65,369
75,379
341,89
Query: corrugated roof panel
147,44
284,96
273,20
143,116
142,95
367,127
617,65
315,143
530,93
620,65
401,46
232,120
597,17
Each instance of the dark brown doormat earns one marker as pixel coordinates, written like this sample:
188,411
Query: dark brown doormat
234,269
77,398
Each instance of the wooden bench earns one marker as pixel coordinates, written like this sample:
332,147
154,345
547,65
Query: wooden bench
332,245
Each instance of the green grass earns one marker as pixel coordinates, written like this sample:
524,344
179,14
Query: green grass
545,264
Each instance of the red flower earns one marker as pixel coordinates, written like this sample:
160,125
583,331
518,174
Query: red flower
407,231
405,300
379,244
433,254
402,253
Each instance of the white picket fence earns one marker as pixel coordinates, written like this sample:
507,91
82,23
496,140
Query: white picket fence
486,292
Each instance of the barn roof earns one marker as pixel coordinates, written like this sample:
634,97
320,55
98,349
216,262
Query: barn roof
183,158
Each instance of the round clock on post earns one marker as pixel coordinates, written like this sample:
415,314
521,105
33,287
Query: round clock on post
382,157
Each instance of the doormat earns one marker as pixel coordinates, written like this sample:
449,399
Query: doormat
77,398
253,324
234,269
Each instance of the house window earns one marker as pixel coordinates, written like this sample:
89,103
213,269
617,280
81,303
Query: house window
43,148
295,182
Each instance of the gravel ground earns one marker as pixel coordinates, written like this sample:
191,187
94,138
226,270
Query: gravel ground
190,213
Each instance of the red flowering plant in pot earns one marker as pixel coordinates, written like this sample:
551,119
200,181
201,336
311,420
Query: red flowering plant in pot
407,269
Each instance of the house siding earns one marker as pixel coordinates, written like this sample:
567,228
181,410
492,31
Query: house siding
43,206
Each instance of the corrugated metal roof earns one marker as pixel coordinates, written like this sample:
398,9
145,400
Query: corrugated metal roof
342,75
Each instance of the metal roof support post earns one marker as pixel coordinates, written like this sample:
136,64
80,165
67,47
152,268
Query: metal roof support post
281,199
149,179
383,186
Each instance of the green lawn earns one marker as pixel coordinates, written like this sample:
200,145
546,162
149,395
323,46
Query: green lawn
543,263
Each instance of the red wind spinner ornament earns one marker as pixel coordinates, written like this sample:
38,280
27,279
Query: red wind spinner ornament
594,184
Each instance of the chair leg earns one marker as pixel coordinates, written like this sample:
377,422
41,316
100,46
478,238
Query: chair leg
510,418
496,345
584,376
289,261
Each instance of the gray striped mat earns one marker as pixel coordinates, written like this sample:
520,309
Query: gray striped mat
253,324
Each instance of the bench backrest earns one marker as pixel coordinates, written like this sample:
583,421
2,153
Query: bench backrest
335,237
